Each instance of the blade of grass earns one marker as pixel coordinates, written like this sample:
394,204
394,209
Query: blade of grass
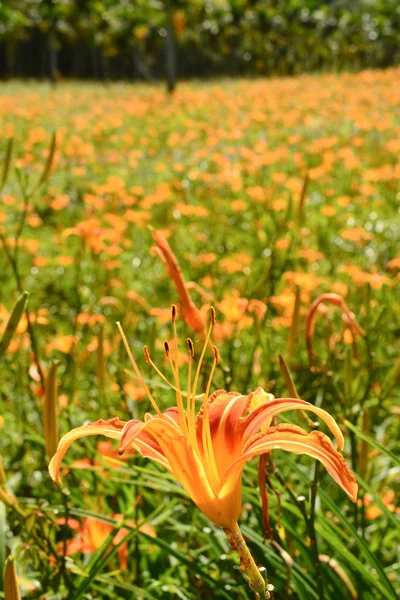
361,543
372,442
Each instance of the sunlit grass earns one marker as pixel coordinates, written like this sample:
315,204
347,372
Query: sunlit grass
220,169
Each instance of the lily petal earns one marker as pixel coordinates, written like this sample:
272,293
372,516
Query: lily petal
225,413
182,461
135,435
294,439
266,411
111,428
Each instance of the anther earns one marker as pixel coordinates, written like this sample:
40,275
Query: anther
212,315
216,354
166,348
173,313
190,347
147,355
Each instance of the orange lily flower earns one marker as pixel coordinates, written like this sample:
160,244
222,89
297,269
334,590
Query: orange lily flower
207,452
191,313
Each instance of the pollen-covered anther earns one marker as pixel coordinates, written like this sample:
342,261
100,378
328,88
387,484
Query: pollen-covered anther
146,355
216,354
190,347
166,348
212,315
173,313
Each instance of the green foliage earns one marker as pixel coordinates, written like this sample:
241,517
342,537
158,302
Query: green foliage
212,36
221,169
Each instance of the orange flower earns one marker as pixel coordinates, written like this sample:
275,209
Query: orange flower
207,452
92,533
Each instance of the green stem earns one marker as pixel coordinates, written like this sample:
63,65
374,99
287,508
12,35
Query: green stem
247,564
312,533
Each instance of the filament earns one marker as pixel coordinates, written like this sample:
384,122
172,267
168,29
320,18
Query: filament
137,371
206,432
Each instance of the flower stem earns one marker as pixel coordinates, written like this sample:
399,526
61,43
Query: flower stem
247,564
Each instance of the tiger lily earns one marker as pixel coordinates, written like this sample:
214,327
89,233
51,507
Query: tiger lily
207,452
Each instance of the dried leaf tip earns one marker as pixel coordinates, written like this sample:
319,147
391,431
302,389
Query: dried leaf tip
212,315
190,347
146,355
216,354
166,348
173,313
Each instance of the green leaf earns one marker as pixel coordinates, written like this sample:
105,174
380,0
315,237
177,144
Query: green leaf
372,442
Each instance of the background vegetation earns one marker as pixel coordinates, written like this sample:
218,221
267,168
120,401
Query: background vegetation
271,193
134,38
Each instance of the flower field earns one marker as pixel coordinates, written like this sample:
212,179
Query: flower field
259,219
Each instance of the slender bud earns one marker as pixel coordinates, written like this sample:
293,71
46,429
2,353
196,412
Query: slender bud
11,590
50,417
288,378
13,321
166,348
190,347
146,355
101,360
302,200
295,325
3,478
50,160
7,163
363,462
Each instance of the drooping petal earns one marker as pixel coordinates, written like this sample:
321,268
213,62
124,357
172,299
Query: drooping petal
294,439
134,435
111,428
266,411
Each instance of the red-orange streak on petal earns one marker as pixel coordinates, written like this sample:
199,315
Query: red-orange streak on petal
111,428
225,412
218,411
183,463
266,411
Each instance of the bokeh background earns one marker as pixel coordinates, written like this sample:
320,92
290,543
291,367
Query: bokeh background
262,140
111,39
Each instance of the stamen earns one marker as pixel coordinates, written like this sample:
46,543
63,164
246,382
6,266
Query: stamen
151,363
137,371
206,432
190,406
216,354
196,378
146,355
190,347
212,314
173,313
175,370
166,348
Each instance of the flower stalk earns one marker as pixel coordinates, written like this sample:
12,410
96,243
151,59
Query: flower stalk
247,564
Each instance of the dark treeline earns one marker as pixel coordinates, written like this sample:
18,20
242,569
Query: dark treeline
146,39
